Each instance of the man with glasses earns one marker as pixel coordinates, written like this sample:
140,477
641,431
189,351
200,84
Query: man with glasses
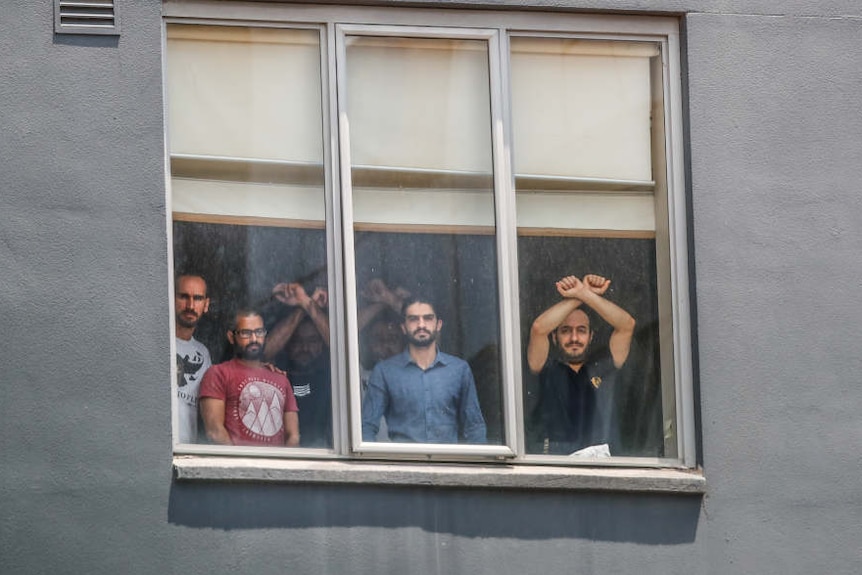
242,401
193,358
426,396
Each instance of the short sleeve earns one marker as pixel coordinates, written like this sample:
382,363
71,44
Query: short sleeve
212,384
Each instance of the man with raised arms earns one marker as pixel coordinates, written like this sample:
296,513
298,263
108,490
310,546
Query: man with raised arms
242,401
193,358
299,345
576,387
426,396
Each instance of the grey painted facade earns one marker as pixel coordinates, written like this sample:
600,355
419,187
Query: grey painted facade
775,160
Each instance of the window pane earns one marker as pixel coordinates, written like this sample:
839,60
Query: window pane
249,218
585,151
423,217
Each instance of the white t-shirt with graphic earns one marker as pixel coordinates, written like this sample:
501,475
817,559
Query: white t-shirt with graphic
193,360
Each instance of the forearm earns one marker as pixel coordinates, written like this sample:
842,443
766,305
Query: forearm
368,313
291,429
622,322
212,412
373,408
618,318
552,317
281,333
538,346
319,318
471,420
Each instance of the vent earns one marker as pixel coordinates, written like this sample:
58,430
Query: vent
85,17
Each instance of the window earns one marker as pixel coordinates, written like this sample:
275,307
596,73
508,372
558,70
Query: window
325,170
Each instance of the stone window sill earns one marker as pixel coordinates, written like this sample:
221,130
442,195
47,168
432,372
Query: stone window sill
527,477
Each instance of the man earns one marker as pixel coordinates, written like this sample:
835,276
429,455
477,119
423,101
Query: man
426,396
575,388
299,345
193,358
242,401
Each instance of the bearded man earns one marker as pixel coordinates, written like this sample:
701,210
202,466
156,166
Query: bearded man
425,395
244,402
575,403
193,358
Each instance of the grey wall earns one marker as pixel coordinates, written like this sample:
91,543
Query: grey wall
85,484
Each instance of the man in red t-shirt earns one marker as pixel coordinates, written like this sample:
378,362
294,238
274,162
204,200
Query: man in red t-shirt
242,401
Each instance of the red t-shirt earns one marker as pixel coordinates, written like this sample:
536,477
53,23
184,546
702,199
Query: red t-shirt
256,400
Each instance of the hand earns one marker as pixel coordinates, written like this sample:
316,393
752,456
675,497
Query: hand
290,294
320,297
376,292
570,287
271,367
596,283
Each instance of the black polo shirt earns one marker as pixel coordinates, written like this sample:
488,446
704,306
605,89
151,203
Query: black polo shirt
575,407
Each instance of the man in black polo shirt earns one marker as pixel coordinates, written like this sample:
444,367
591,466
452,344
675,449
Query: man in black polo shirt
574,407
299,345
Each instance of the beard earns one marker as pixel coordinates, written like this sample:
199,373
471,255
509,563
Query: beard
415,340
576,355
188,319
250,352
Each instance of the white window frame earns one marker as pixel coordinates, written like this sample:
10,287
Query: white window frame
346,461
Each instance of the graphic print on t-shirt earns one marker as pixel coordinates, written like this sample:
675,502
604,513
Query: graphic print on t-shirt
261,408
188,367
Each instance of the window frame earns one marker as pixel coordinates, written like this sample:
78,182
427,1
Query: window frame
671,218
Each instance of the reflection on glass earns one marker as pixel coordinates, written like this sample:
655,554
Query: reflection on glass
585,154
421,174
248,220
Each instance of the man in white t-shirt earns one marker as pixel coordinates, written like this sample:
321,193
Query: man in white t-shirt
193,358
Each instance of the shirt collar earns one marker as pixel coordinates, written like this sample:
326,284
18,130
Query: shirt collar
404,359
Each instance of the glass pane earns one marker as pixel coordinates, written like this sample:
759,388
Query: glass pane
249,229
586,146
421,171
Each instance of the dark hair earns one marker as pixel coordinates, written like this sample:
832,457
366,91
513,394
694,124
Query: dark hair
417,299
241,312
190,274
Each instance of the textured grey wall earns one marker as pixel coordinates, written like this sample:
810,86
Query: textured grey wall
85,487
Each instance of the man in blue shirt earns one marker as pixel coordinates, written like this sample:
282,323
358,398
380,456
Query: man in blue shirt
426,396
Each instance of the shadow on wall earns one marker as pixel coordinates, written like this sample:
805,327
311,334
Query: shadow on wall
636,518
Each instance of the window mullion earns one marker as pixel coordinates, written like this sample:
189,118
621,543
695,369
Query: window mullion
507,248
335,239
348,270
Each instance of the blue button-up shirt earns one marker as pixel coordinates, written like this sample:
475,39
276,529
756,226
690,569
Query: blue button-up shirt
435,405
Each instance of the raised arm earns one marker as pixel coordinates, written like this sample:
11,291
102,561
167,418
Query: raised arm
315,308
294,294
538,346
281,333
379,297
590,291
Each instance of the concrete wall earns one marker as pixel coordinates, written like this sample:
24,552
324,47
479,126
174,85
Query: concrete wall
85,481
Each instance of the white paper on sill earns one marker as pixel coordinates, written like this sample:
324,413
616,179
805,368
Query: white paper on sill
601,450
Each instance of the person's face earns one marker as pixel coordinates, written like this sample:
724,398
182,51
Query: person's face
305,345
421,326
573,337
191,300
248,337
384,340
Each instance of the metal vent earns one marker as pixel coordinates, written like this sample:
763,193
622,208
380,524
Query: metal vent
85,17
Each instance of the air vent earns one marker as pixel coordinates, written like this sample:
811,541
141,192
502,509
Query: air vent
85,17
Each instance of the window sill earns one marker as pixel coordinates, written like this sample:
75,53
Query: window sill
535,477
